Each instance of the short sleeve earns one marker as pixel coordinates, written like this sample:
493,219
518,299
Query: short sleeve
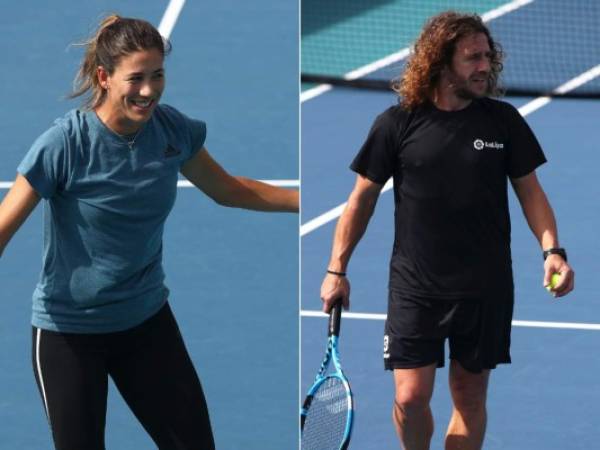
44,165
197,130
193,131
525,152
376,158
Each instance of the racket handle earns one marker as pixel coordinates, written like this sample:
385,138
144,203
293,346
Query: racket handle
335,316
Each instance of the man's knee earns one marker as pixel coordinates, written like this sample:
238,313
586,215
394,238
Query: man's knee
411,401
414,388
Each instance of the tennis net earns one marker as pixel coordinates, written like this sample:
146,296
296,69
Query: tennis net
365,43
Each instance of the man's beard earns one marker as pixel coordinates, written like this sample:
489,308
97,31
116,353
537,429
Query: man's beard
462,90
467,94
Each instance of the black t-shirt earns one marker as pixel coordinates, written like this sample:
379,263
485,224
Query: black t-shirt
450,191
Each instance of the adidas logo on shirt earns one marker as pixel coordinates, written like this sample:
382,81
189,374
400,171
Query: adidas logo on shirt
171,151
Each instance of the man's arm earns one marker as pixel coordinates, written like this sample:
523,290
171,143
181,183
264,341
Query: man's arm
350,228
239,192
15,208
542,223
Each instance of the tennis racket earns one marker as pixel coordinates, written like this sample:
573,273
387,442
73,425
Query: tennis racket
327,412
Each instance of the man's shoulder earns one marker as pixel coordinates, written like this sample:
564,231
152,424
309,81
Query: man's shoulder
394,117
395,112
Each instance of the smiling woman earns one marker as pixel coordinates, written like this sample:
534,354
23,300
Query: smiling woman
108,174
132,90
116,38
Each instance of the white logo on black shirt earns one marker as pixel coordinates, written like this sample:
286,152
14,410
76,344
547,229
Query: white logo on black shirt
479,144
386,346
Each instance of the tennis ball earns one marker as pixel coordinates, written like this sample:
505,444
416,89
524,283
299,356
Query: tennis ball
554,279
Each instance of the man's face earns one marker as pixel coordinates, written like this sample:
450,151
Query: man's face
469,72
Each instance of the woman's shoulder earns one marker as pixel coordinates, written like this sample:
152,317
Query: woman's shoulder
170,114
56,134
167,112
70,125
72,119
69,130
170,117
175,123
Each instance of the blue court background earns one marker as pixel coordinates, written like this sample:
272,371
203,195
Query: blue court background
547,398
233,274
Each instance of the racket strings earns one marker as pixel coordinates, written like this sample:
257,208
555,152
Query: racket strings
325,425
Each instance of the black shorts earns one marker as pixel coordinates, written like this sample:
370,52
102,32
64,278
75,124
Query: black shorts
150,366
478,331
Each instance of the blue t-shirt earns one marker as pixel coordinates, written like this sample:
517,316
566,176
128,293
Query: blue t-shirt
104,214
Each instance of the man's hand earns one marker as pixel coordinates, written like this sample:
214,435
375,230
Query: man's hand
566,283
334,287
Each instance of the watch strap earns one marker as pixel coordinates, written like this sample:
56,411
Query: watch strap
555,251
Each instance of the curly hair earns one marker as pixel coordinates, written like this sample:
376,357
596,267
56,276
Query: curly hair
433,51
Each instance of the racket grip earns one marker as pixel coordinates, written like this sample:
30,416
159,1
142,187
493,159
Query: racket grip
335,316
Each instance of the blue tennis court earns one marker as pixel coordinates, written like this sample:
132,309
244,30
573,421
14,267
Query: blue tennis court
233,274
546,398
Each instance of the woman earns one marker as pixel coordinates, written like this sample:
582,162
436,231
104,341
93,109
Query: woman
109,174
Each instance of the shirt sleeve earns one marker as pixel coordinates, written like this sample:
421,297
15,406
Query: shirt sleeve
194,131
197,130
44,165
376,158
525,153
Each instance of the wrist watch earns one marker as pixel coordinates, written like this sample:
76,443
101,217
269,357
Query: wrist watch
555,251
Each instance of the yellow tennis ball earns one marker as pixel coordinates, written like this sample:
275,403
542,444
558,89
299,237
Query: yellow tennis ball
554,279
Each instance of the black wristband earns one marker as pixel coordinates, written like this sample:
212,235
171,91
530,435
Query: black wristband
555,251
339,274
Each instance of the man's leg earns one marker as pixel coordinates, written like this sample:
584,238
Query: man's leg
412,414
469,417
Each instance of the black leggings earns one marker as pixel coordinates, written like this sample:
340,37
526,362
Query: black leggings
149,365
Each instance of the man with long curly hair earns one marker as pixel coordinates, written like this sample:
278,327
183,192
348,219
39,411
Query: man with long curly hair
451,150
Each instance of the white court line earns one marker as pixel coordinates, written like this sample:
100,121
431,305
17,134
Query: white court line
525,110
504,9
570,85
333,213
515,323
403,53
169,19
279,183
187,184
314,92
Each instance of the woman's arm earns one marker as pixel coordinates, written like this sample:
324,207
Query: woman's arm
15,208
238,192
